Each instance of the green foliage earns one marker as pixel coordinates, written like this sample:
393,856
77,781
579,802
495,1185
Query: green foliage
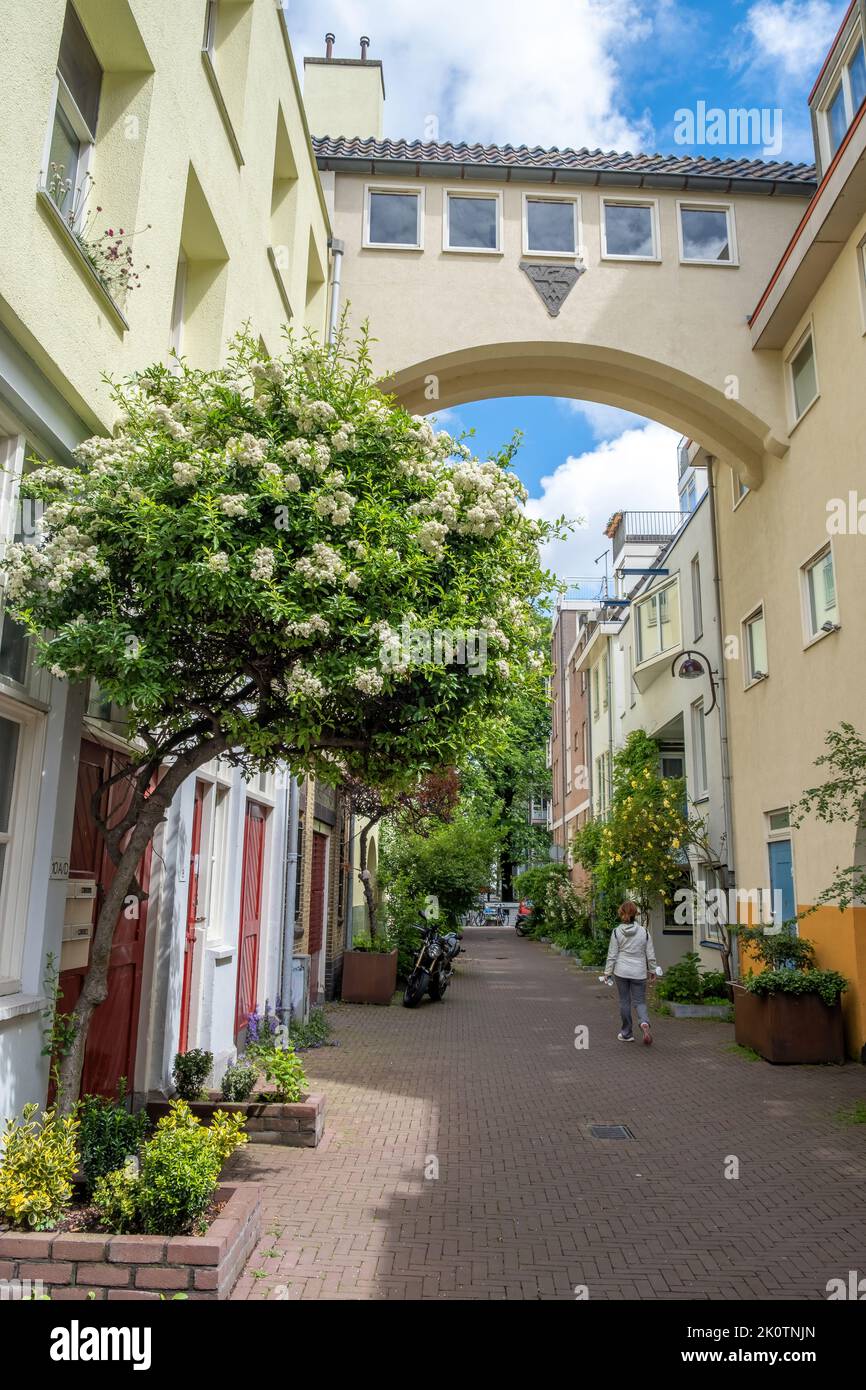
58,1035
109,1134
533,885
452,863
38,1159
285,1070
379,945
177,1178
686,983
639,852
829,984
314,1033
191,1070
781,948
238,1081
116,1198
842,798
854,1114
240,556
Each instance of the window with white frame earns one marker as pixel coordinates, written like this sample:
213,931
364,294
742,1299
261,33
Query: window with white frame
604,682
755,642
74,115
803,375
596,702
472,222
819,584
393,218
697,602
707,234
657,622
550,226
699,749
739,487
18,517
19,796
846,95
629,230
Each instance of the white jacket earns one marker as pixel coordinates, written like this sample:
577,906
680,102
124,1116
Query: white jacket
631,954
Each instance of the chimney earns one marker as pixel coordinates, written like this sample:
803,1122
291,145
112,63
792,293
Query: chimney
345,96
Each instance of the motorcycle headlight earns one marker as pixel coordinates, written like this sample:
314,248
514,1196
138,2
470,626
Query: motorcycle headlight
434,948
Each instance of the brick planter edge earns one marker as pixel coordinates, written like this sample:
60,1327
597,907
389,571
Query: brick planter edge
71,1264
300,1125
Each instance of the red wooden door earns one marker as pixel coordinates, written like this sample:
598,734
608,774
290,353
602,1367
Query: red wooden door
317,908
251,912
111,1040
193,917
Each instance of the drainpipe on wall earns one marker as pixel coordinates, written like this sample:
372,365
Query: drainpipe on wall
337,248
290,891
723,706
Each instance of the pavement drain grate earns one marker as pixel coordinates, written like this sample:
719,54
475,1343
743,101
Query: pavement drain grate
611,1132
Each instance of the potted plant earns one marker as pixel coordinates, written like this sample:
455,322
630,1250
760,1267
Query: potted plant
369,971
689,992
790,1012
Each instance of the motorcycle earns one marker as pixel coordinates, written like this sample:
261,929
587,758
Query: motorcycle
433,967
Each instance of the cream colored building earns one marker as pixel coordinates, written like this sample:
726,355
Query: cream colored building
183,124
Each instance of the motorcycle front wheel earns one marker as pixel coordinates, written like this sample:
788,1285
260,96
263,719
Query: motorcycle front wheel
416,988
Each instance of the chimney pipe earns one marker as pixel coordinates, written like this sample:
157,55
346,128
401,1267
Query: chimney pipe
329,46
365,44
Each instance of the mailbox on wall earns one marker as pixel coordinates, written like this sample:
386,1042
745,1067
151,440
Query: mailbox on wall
78,922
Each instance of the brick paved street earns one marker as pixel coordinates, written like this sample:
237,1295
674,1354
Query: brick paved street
527,1204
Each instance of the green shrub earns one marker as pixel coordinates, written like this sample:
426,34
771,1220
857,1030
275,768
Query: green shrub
779,949
191,1071
829,984
38,1159
180,1168
682,982
116,1198
593,949
286,1070
238,1081
715,983
109,1134
314,1033
379,945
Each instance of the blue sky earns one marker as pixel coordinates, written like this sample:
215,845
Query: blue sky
610,74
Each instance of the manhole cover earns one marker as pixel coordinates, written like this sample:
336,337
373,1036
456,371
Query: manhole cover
610,1132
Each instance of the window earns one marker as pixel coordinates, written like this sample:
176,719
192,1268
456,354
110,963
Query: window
697,605
778,820
596,702
472,222
658,623
846,97
74,114
756,647
707,234
550,226
803,376
820,595
18,518
20,759
604,681
630,230
699,748
393,218
632,698
739,487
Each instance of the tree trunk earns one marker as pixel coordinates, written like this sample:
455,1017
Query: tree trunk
364,875
94,990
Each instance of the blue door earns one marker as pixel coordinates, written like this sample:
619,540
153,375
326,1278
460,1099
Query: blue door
782,879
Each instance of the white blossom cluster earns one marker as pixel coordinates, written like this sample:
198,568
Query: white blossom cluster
324,566
51,568
233,504
302,682
369,682
309,627
336,505
263,565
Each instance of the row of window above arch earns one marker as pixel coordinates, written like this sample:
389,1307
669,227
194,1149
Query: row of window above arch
394,220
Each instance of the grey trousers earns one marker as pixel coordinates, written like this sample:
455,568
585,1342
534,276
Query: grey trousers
632,994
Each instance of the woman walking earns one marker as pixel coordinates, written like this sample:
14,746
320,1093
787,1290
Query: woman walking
630,958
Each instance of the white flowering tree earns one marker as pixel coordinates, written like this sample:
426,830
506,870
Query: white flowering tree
238,568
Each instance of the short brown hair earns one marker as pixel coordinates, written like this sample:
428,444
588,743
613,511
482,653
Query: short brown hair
627,911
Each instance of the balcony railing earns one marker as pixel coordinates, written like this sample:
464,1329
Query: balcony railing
647,528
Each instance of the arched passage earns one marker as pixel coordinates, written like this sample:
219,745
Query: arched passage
607,376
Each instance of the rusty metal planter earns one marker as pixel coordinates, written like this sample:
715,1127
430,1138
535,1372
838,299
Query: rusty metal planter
369,977
789,1029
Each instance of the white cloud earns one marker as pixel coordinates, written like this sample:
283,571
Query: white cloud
636,471
491,71
793,35
605,421
780,46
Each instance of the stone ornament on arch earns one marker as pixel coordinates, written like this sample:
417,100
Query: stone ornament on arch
553,283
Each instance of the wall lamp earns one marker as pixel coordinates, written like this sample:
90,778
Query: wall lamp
693,665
